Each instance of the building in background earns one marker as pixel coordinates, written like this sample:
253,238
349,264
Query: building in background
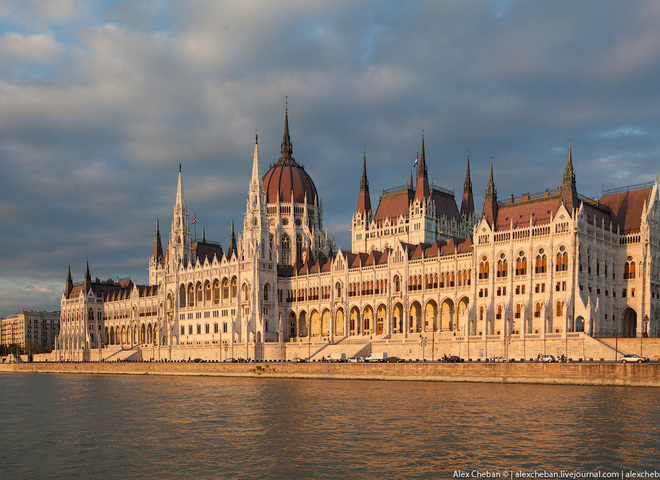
543,273
32,331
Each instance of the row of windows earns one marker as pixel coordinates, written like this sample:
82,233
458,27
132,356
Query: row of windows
207,328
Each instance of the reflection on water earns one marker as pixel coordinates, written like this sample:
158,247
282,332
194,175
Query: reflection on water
78,426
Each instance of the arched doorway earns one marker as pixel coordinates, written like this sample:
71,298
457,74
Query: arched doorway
579,324
339,322
628,328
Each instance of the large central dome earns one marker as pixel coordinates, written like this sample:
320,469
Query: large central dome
286,177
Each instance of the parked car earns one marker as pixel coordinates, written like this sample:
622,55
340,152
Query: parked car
299,360
631,357
393,360
230,360
548,358
499,360
453,359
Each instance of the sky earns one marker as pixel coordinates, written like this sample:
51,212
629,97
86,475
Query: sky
101,100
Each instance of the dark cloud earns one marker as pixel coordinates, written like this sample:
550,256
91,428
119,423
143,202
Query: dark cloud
100,101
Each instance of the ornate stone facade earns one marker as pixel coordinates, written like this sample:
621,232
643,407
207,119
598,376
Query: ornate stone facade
554,266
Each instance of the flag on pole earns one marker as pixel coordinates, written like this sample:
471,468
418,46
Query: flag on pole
416,159
194,219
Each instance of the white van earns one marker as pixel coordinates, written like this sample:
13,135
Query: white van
376,357
336,357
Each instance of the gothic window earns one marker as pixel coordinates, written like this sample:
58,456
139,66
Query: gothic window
518,311
199,293
216,292
397,284
562,260
225,289
521,264
502,266
299,248
207,292
541,262
191,295
266,292
234,288
286,250
483,268
537,310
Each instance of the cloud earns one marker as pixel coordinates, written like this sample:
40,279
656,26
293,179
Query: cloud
101,100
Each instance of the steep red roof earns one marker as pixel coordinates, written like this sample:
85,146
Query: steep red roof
519,214
626,208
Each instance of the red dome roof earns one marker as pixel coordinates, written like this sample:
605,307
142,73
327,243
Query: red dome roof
287,177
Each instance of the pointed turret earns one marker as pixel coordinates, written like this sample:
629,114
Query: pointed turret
490,200
232,241
180,243
158,247
364,200
203,234
87,284
569,195
69,284
467,204
422,191
286,149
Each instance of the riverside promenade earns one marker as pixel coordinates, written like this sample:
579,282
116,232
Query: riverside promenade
579,373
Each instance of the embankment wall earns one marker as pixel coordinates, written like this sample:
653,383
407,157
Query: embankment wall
584,373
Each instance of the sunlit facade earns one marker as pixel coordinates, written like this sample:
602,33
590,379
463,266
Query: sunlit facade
551,266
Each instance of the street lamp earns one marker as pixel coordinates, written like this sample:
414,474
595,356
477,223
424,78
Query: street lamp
280,332
423,343
645,324
616,336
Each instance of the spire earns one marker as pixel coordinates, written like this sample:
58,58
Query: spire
158,248
87,284
286,149
203,234
256,173
364,200
422,191
569,174
232,241
569,195
69,284
467,204
180,241
490,200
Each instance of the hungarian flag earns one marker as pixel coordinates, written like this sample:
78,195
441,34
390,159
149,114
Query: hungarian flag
416,158
195,219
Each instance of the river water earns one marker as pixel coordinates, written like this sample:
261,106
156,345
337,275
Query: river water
106,426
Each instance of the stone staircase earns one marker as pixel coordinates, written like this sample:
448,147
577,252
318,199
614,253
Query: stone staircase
352,347
122,355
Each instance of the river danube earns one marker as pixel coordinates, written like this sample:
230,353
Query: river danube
106,426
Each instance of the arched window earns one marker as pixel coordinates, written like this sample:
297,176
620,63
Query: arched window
518,311
632,269
182,296
502,267
299,248
234,288
397,284
191,295
207,292
560,308
199,293
541,262
225,289
562,260
286,250
338,286
537,310
266,292
483,268
216,292
521,264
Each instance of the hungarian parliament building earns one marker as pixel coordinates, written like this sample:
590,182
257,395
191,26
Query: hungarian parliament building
424,277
